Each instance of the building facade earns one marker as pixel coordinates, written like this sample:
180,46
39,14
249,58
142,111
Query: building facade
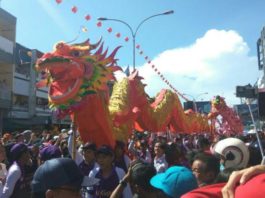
22,105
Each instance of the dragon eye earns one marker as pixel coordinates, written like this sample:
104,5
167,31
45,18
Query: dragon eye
76,53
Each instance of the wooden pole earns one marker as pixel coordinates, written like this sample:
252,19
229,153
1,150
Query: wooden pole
73,128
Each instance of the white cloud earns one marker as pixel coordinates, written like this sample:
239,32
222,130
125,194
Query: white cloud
215,63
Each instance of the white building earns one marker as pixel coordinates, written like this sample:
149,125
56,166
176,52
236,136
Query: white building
22,106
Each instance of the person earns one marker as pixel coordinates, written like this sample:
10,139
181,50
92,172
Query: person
85,157
160,162
251,184
143,153
109,175
241,177
233,153
3,171
121,158
138,176
16,183
175,181
205,167
59,177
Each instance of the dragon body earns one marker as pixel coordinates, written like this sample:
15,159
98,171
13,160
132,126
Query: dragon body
78,86
228,121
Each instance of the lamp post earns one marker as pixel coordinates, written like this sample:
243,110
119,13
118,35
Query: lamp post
134,33
194,99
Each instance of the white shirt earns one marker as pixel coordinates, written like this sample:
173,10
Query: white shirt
160,164
3,173
13,175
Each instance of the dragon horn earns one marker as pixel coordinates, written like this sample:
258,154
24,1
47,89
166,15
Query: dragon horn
100,49
85,43
102,57
114,52
94,46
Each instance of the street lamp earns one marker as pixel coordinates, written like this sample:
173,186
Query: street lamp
136,30
194,99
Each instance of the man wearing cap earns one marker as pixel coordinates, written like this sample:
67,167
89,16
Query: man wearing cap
58,178
49,152
16,185
85,159
108,174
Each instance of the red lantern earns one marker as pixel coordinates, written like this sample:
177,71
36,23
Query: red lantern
155,69
153,66
149,62
109,29
126,39
146,57
118,35
158,73
137,46
58,1
99,24
88,17
74,9
141,52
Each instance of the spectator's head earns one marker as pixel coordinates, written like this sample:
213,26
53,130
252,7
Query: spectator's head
89,151
204,143
176,181
119,149
19,137
143,145
141,175
255,156
233,153
59,177
159,149
50,152
172,154
205,167
105,156
20,153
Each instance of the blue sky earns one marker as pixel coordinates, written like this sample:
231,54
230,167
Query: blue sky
205,46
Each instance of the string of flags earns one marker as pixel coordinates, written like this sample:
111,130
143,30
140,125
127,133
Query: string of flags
87,17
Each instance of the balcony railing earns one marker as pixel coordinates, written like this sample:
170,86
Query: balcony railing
6,45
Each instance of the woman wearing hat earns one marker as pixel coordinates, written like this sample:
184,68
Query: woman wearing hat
17,186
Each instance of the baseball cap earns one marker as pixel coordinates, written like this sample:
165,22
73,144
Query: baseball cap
90,146
59,172
106,150
17,150
50,152
234,151
175,181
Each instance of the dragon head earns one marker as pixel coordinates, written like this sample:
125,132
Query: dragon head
73,71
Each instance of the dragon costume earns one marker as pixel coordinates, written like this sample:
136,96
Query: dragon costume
230,122
78,86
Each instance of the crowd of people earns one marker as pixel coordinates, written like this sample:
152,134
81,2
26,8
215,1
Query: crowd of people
148,165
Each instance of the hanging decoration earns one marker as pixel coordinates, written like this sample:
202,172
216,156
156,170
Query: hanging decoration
59,1
138,47
88,17
74,9
109,29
